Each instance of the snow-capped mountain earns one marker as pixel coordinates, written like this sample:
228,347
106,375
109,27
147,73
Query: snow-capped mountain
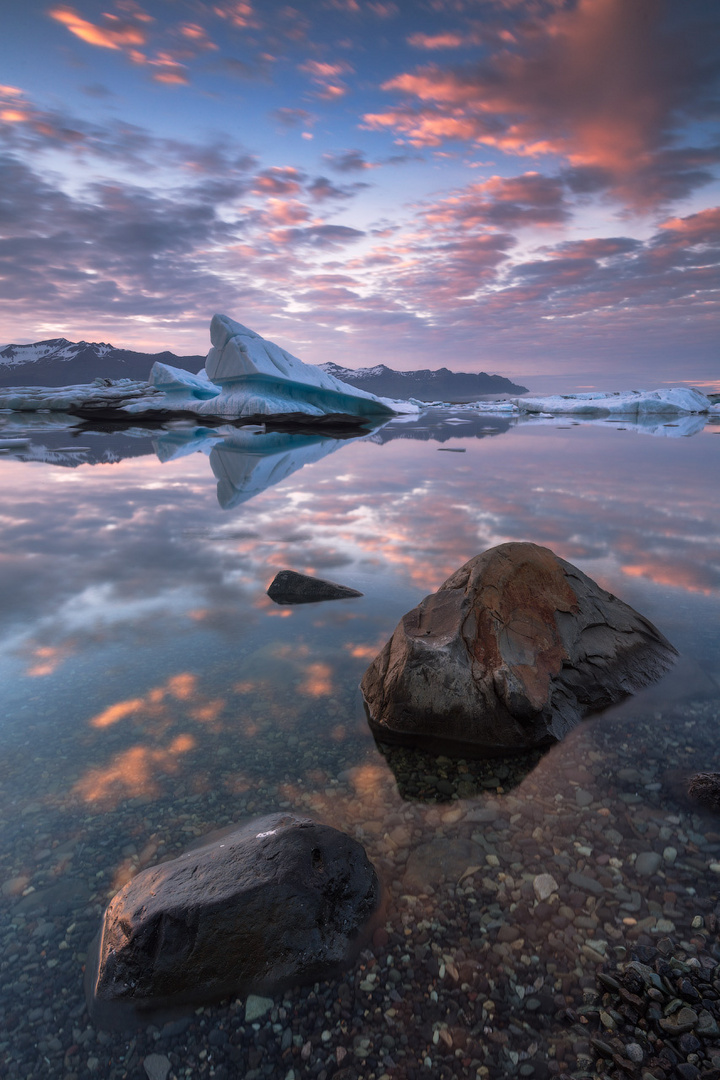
59,362
425,385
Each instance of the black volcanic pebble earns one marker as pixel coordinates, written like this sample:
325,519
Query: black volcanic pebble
705,789
632,988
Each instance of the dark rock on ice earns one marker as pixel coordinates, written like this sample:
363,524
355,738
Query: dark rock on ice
705,788
289,587
278,901
509,654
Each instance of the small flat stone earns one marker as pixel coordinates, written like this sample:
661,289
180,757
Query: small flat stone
156,1066
256,1007
583,798
544,885
647,863
707,1026
483,813
582,881
635,1053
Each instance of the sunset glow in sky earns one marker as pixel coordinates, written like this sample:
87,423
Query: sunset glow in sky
521,186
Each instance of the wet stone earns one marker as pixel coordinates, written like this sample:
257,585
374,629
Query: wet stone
156,1066
648,863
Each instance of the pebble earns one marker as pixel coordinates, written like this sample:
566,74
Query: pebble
583,881
156,1066
257,1007
544,885
647,863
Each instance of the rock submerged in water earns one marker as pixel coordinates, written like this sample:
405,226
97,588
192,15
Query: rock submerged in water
705,788
278,901
509,654
289,587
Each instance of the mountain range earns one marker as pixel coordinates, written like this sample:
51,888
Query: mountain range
59,362
425,385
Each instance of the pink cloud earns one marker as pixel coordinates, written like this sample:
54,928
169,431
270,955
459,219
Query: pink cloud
445,40
113,35
600,84
278,181
326,77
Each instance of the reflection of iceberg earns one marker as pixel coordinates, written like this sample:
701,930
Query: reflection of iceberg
247,464
441,424
176,443
673,401
667,427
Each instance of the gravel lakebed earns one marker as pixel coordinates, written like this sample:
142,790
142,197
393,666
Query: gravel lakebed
555,918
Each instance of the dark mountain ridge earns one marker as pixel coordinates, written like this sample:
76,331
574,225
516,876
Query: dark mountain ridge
59,362
425,385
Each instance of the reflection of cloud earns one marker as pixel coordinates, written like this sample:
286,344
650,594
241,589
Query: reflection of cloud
402,519
132,773
318,681
678,573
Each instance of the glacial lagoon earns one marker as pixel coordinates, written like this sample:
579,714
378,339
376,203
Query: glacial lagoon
153,694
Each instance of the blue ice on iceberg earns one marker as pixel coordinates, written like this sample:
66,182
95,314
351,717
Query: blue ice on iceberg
247,376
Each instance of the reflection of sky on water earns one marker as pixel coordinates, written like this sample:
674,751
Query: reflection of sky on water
131,574
153,691
116,551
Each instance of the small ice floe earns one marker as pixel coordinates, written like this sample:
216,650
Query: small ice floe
673,401
14,444
504,407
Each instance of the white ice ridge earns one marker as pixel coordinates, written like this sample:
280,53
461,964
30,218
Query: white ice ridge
674,401
253,377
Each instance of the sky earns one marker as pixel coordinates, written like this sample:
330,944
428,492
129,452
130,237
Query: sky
527,187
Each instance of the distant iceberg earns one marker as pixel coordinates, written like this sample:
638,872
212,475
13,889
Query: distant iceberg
674,401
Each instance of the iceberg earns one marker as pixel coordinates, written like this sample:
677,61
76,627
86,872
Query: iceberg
660,425
673,401
245,377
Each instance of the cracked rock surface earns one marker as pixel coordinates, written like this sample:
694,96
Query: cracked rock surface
510,653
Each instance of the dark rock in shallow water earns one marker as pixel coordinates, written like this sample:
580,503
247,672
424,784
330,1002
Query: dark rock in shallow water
289,587
705,788
279,901
509,654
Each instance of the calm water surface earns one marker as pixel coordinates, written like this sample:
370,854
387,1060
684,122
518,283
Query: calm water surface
153,693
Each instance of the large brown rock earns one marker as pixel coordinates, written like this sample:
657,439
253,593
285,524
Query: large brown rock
278,901
509,654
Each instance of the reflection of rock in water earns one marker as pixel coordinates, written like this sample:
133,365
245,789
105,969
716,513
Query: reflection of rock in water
245,465
424,776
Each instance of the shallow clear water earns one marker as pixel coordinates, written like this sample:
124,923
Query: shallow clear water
153,693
